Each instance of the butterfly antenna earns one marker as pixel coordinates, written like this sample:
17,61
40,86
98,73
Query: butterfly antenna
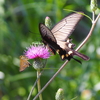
77,60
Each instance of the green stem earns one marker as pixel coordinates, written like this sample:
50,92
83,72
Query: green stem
39,84
34,85
93,16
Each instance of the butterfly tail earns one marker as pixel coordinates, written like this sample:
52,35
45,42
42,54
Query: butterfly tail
84,57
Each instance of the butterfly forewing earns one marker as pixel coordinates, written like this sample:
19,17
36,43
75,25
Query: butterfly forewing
46,33
48,38
66,26
24,63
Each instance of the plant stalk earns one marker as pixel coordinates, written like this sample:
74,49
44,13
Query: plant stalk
34,85
39,84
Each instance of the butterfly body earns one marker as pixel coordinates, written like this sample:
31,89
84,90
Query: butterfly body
57,39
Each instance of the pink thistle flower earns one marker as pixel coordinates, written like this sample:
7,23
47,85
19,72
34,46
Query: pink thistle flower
37,52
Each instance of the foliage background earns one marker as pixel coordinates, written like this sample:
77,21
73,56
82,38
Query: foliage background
19,21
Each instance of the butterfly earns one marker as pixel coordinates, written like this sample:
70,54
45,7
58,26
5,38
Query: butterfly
57,39
24,63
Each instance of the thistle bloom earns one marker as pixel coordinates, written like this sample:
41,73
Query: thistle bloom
37,52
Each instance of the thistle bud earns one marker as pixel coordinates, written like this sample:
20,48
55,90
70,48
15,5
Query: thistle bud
48,22
93,5
59,94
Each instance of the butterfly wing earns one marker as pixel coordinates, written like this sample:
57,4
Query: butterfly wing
23,63
48,38
66,26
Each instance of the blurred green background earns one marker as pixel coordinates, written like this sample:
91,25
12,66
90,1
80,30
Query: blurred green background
19,20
